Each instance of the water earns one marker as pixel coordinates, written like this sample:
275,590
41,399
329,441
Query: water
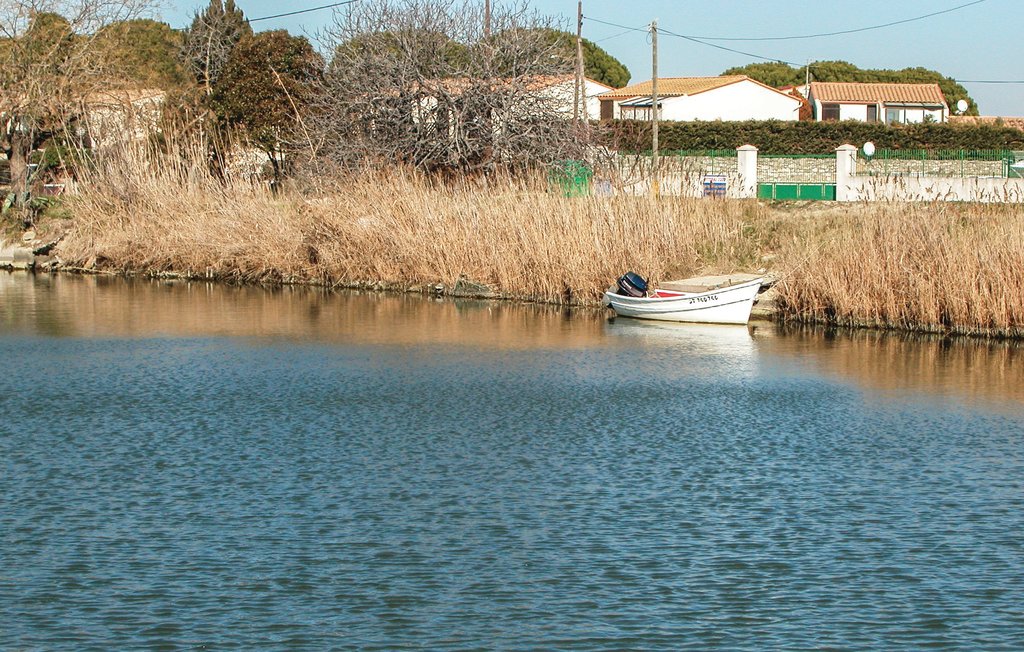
185,466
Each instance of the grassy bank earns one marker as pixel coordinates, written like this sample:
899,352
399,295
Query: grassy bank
942,268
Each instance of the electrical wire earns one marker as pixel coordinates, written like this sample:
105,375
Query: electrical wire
763,58
727,49
608,38
844,31
302,11
695,40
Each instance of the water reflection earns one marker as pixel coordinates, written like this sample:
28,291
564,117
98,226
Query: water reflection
71,306
893,364
731,347
882,363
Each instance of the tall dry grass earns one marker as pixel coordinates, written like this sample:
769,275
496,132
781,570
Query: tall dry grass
146,212
933,267
939,267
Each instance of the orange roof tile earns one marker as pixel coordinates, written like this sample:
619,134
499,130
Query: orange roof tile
674,86
877,92
1007,121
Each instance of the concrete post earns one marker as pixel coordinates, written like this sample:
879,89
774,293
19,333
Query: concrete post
846,172
746,164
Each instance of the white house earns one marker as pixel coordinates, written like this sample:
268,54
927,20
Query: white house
545,94
119,115
877,102
733,97
564,90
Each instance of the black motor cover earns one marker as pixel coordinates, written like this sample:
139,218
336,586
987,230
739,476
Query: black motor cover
632,285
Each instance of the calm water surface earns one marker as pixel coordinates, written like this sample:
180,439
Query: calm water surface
184,466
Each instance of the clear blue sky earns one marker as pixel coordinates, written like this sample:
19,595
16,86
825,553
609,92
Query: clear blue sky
980,42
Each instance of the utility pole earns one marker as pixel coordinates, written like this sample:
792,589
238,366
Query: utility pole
487,18
580,88
654,108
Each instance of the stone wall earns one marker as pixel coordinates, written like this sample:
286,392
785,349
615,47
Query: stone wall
929,189
679,175
802,169
875,180
929,168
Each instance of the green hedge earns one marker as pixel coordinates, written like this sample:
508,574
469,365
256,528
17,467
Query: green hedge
777,137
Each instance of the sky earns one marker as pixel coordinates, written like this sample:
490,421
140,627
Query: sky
979,42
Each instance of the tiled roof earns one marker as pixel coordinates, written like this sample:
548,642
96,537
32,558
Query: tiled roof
1016,123
547,81
674,86
531,84
123,97
929,94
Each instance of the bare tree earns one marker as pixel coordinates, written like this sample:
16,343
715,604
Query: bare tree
48,65
210,39
419,82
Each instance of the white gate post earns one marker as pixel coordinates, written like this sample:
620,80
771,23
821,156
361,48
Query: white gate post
846,171
746,164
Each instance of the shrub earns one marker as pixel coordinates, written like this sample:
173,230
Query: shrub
777,137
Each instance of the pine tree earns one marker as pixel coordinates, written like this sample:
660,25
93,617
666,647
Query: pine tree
210,39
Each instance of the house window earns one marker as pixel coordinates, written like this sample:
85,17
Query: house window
635,112
829,112
607,109
872,113
893,115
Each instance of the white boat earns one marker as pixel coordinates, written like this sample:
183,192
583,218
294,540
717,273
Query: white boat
705,299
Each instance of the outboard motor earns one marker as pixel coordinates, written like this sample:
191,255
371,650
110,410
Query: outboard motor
632,285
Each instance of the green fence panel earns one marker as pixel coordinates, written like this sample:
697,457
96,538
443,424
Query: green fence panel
797,191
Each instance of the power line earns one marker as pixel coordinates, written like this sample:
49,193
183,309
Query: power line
722,47
608,38
763,58
302,11
841,32
696,40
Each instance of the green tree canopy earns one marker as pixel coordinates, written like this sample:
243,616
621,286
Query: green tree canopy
780,74
267,78
597,63
145,52
431,53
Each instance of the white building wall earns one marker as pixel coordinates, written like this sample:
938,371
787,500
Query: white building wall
565,92
853,112
860,112
743,100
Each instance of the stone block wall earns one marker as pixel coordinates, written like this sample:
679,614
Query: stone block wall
916,168
796,170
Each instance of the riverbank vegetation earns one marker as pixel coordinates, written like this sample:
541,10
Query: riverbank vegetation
928,267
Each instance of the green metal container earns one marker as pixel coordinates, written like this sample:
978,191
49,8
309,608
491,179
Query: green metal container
572,178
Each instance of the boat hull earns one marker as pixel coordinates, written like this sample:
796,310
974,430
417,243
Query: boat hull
728,305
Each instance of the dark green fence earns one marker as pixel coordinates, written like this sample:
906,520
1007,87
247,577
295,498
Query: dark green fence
937,163
799,177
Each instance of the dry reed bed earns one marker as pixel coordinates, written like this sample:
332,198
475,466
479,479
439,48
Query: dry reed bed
946,268
398,230
924,267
